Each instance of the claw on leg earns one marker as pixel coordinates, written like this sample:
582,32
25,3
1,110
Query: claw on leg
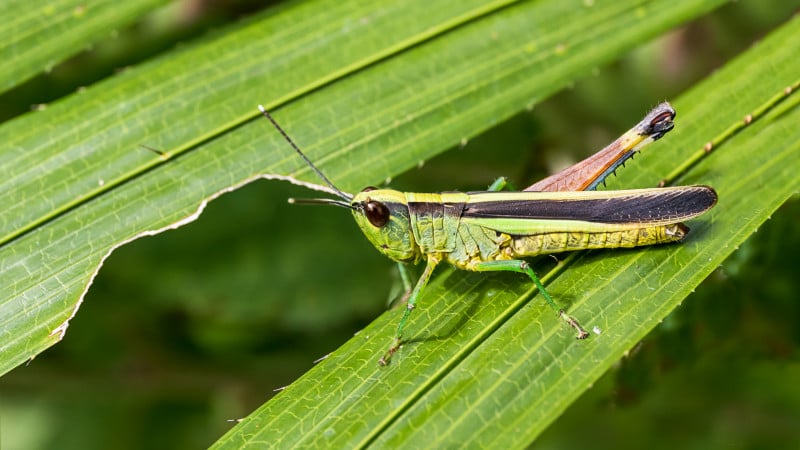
573,322
384,361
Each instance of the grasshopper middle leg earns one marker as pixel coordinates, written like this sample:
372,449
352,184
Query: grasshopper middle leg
521,266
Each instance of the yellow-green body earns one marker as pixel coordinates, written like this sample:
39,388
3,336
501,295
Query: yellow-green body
439,225
494,231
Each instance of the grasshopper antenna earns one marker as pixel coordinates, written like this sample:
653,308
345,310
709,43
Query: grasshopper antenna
305,158
320,201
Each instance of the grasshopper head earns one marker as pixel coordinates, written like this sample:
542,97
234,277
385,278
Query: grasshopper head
382,214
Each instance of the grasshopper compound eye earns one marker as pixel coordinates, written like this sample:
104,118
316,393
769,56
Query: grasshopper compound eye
377,213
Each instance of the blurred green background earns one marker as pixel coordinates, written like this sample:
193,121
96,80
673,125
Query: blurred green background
185,331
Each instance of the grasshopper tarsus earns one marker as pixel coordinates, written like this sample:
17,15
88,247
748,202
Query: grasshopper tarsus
384,361
573,322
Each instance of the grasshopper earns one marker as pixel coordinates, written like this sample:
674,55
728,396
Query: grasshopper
495,230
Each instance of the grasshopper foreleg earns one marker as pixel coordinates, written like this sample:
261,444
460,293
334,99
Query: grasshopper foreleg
521,266
405,280
405,277
500,184
412,302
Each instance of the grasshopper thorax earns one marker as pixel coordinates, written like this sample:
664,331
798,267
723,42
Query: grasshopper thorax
382,215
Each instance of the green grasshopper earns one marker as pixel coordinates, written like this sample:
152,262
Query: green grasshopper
494,230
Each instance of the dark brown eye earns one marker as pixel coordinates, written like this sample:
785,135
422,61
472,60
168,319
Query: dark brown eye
377,213
369,188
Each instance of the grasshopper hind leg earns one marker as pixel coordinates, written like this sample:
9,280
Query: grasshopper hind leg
521,266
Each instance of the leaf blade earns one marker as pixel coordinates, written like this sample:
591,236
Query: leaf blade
36,35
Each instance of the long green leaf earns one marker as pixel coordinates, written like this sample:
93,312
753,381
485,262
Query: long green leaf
369,90
63,168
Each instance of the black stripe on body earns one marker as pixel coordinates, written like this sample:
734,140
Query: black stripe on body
435,209
432,209
669,204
